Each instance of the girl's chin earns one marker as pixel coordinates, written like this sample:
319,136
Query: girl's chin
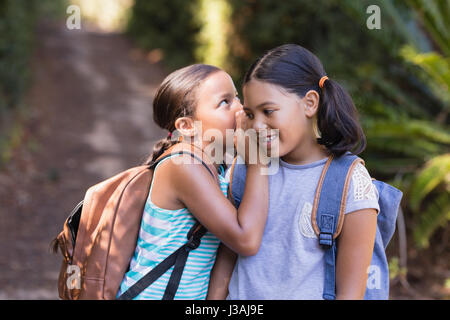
272,148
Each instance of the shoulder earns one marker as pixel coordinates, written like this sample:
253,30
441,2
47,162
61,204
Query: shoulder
362,193
363,188
183,169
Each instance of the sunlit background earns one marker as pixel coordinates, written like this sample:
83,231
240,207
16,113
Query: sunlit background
75,108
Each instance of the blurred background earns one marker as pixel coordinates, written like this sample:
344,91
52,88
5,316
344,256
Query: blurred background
75,108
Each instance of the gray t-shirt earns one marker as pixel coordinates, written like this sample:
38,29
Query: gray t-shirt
290,261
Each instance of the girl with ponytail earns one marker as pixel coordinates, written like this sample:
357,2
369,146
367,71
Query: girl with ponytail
312,117
183,192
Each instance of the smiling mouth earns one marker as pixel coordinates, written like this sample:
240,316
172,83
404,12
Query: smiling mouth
268,139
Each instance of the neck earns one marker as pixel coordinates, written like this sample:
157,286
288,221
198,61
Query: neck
306,152
205,156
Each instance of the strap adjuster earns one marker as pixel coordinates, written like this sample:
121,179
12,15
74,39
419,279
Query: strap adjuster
193,243
326,239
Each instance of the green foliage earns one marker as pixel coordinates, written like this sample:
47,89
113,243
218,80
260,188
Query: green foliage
435,172
432,182
16,42
435,71
336,32
436,214
17,25
166,25
429,195
16,39
213,16
395,270
435,17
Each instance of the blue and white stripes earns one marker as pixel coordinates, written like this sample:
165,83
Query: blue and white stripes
162,232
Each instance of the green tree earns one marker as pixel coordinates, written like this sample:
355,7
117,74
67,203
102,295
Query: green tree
429,193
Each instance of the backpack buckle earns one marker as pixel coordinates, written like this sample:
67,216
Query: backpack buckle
326,239
193,243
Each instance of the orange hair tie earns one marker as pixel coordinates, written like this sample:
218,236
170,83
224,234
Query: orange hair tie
322,81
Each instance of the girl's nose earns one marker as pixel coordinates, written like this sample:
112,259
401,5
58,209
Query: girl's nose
258,125
237,105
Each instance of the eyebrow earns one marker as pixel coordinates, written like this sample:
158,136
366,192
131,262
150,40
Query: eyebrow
263,104
225,95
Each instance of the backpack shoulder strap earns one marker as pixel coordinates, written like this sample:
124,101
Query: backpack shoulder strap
328,212
177,259
236,186
230,185
331,196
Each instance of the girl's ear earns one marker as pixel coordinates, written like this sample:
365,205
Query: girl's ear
185,126
311,101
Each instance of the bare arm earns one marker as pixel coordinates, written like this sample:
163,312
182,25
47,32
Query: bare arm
354,254
221,274
190,185
242,229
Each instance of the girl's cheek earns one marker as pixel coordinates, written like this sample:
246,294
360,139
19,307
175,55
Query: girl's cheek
231,119
285,141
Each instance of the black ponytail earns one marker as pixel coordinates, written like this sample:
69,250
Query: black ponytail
337,121
297,70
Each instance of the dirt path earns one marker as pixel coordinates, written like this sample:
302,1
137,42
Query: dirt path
91,117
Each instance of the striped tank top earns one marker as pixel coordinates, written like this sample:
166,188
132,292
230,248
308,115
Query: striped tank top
162,232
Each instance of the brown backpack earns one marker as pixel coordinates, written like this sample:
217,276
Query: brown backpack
99,238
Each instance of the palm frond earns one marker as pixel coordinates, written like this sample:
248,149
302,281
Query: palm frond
435,215
436,68
435,172
435,16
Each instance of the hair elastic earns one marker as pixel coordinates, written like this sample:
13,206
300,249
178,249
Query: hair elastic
322,81
169,135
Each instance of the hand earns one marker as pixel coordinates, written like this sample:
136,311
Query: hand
240,140
246,142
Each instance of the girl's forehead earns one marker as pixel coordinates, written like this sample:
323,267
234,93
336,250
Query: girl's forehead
255,91
217,83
